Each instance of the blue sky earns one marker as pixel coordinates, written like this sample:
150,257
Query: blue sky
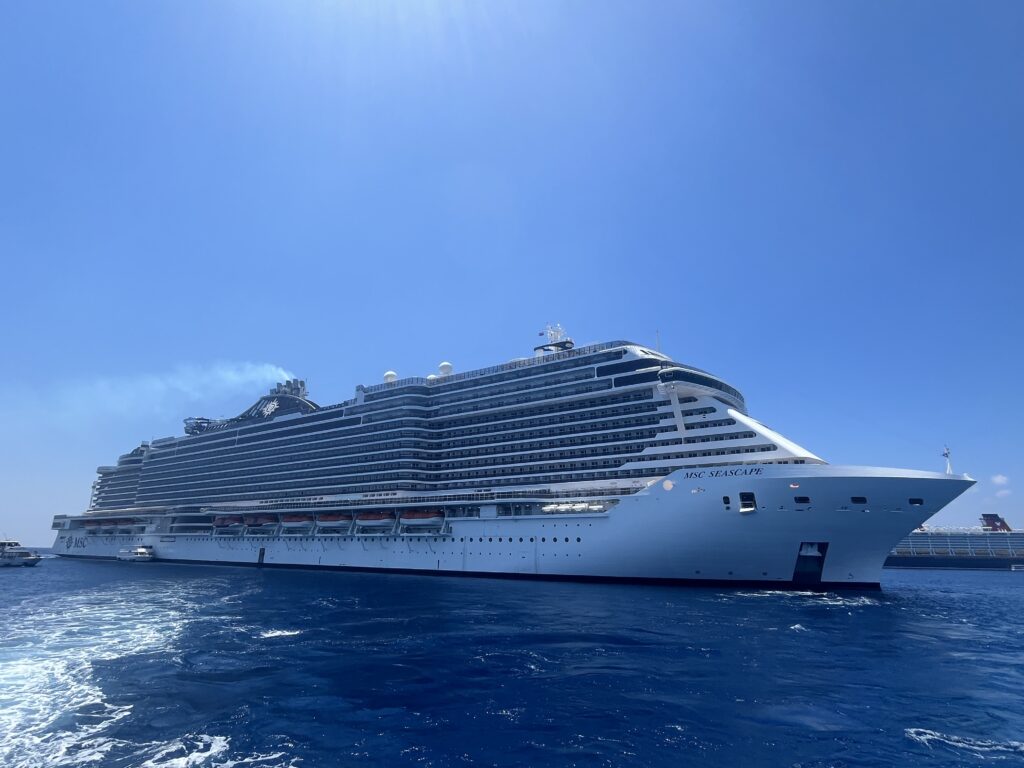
821,202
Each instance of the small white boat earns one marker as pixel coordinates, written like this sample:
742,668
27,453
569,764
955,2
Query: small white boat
140,554
13,554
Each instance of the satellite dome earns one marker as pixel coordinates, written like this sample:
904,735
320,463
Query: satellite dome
390,376
445,368
431,377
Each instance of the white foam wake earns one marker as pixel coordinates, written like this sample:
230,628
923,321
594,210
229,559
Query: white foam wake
980,747
281,633
53,711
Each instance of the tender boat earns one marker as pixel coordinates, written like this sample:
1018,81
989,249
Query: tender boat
422,518
375,519
140,554
13,554
334,523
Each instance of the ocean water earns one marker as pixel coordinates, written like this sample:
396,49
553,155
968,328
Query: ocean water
168,666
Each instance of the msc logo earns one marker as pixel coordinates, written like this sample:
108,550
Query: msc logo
74,542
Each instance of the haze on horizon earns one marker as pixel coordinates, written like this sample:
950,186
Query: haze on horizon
821,204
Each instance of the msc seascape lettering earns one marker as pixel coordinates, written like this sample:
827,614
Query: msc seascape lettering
575,463
723,472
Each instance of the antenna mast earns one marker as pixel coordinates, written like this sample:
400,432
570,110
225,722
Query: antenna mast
949,463
558,340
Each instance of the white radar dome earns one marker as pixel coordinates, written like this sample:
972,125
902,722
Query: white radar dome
445,368
390,376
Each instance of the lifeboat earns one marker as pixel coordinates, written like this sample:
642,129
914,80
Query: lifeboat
375,519
91,523
226,520
335,517
265,520
334,522
422,517
296,521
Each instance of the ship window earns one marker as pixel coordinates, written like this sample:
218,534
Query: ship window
802,499
916,502
747,502
726,500
859,499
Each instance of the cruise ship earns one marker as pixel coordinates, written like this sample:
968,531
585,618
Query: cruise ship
603,462
994,545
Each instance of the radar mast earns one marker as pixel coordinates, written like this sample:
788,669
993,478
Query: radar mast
558,340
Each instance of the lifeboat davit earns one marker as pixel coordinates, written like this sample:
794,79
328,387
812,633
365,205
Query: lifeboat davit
424,518
375,519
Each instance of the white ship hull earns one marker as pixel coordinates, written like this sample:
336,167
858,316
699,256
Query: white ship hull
677,530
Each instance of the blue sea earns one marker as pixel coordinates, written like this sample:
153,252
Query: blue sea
168,666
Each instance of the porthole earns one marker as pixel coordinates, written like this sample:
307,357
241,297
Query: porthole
578,539
859,499
543,539
916,502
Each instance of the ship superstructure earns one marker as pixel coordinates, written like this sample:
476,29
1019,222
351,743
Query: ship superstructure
636,466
